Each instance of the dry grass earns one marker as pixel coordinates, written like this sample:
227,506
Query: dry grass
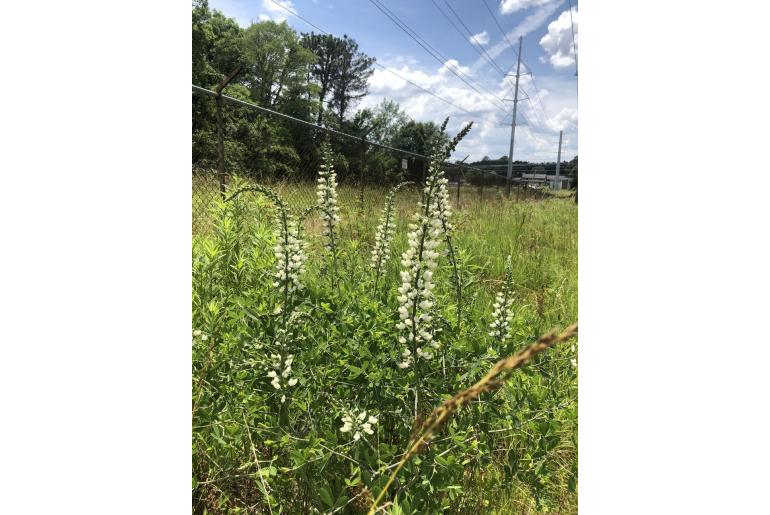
493,380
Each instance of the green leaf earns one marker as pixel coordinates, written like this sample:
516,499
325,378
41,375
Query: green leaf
326,497
341,500
355,371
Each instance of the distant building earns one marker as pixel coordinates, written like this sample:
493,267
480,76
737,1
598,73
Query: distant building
543,179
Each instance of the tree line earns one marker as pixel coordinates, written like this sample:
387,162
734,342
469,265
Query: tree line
318,78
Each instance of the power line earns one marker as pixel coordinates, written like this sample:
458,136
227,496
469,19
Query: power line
482,52
448,102
541,119
510,45
441,59
462,35
311,125
572,26
499,26
432,51
537,90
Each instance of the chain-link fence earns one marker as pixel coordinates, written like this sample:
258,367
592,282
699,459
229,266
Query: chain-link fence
235,138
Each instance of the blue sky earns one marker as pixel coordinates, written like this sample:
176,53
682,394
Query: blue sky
547,53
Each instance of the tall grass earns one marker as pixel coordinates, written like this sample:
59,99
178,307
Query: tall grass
260,449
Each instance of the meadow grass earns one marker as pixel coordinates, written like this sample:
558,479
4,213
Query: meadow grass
541,238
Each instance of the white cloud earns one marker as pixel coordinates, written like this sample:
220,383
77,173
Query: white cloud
510,6
557,43
482,38
530,23
454,65
275,12
566,118
491,130
382,81
487,133
419,104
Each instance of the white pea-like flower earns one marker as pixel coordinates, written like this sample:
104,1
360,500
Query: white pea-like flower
280,370
357,423
290,257
326,193
419,260
502,316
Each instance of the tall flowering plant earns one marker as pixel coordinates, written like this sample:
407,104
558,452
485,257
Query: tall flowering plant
419,262
500,328
289,249
384,234
326,193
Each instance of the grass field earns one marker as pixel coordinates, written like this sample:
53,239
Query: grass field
298,195
514,452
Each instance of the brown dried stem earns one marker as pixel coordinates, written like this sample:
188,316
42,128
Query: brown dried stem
493,380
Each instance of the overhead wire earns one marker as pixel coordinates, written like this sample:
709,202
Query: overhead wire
415,36
541,119
572,26
537,90
438,56
468,33
510,45
392,72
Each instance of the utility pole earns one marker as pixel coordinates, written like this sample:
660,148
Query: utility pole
558,166
513,120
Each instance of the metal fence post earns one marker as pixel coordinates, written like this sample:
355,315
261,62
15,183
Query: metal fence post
361,175
221,130
459,176
220,148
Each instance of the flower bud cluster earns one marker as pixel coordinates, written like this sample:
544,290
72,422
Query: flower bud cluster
326,193
415,295
384,234
356,423
289,255
503,312
199,335
280,370
442,202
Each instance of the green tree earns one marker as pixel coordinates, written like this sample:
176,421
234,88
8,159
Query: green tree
388,119
418,137
351,80
327,49
215,45
276,65
340,72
